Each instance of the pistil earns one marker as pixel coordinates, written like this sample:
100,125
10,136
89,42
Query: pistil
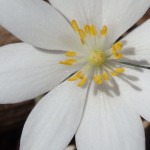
97,58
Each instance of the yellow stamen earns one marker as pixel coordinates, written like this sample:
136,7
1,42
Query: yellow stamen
79,75
65,63
68,62
105,76
93,30
104,31
82,41
118,45
82,82
74,25
117,55
114,73
71,54
71,61
82,34
73,78
97,79
114,50
87,29
119,70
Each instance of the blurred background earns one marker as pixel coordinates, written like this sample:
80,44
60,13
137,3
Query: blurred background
12,117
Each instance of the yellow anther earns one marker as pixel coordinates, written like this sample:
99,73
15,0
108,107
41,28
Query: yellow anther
118,46
79,75
71,54
74,25
114,73
82,41
73,78
97,79
65,63
82,34
93,30
114,50
82,82
119,70
71,61
105,76
104,31
87,29
117,55
68,62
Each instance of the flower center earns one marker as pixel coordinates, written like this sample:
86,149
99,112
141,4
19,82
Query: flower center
97,58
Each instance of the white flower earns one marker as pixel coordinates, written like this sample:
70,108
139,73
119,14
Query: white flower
112,101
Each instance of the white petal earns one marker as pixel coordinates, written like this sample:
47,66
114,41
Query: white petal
108,124
83,11
55,119
117,15
120,15
26,72
137,45
38,23
135,89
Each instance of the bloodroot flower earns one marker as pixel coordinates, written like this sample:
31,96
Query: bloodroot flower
99,85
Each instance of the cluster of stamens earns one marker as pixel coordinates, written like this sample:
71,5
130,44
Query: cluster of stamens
97,59
69,61
88,30
115,50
